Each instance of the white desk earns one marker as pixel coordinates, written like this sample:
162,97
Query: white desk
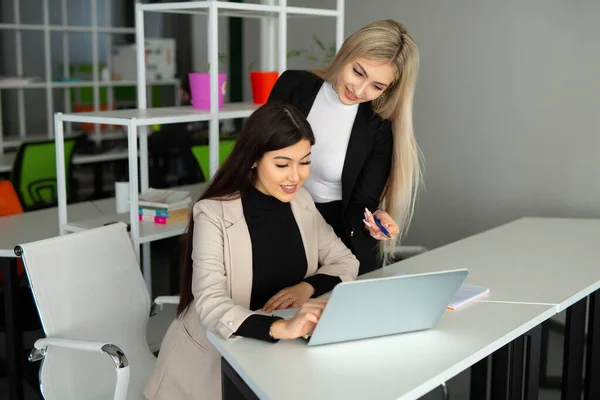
536,260
530,260
533,265
404,366
37,225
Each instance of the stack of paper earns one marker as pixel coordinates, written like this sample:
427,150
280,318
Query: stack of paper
466,294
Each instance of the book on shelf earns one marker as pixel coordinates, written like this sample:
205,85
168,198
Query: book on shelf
163,220
164,199
164,213
18,80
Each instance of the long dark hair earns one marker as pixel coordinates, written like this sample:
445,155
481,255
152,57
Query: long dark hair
273,126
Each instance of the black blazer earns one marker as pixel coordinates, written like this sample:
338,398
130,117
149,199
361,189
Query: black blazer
366,167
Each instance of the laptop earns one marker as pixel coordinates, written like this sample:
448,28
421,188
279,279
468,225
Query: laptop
383,306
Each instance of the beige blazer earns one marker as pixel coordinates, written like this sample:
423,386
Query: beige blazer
188,366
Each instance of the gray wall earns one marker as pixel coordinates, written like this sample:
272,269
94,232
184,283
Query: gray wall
506,110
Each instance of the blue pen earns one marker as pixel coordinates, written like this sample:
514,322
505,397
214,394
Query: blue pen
378,222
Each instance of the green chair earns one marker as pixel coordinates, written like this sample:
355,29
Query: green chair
201,153
34,173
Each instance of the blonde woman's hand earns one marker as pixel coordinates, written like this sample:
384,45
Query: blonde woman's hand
386,220
290,297
302,323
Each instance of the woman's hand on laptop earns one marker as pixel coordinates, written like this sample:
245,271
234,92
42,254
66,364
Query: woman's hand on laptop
302,323
290,297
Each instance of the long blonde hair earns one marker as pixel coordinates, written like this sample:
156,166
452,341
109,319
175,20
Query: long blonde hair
388,40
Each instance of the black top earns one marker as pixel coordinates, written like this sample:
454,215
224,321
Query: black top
366,167
278,258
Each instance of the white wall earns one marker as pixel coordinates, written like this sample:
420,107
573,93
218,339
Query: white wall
507,109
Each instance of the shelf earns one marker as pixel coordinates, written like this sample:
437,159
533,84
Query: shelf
149,231
11,142
140,117
80,84
227,9
7,159
162,115
196,7
314,12
111,155
66,28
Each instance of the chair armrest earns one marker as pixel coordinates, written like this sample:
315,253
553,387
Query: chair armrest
403,252
115,353
160,301
410,250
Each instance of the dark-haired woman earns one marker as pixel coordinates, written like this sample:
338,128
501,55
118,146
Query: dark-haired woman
256,243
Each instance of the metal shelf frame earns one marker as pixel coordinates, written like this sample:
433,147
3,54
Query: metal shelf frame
136,121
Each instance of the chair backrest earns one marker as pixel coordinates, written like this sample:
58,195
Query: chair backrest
9,200
88,286
201,154
34,172
10,205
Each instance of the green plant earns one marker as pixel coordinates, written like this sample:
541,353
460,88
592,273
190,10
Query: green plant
328,51
222,59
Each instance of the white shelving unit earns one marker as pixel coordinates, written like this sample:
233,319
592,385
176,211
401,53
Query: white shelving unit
136,121
10,142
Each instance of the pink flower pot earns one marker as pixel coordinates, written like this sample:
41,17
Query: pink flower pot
200,90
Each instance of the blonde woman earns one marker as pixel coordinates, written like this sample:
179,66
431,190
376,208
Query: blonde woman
365,159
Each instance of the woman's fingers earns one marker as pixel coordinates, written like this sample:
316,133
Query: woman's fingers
274,302
310,317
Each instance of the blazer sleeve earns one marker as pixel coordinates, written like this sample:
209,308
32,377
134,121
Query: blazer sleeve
372,180
284,87
212,301
334,257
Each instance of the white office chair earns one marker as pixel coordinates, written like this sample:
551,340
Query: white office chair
94,308
404,252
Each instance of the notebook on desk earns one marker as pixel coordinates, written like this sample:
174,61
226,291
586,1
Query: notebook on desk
467,294
464,295
385,306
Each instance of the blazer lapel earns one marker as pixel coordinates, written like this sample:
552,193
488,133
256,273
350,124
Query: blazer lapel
305,220
238,248
305,97
359,146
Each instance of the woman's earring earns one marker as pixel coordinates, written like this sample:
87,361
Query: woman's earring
253,167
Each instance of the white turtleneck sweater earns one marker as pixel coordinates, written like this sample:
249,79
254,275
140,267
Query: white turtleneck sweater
332,123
